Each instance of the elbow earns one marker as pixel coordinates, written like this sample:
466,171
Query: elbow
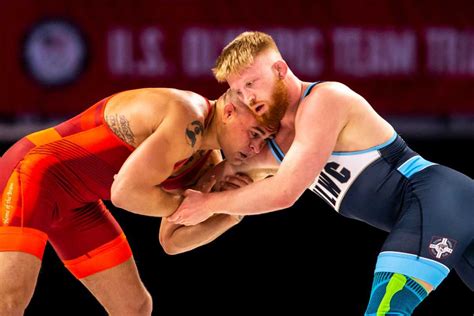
286,200
286,203
121,193
169,246
283,192
118,196
171,250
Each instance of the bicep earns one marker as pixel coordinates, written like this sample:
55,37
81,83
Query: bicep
300,167
316,134
153,160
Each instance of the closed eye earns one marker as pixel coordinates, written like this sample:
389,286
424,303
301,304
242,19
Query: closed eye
258,108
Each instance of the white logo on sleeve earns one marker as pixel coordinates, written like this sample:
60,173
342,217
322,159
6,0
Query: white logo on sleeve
441,247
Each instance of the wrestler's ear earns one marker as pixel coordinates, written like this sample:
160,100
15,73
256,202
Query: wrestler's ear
229,112
280,69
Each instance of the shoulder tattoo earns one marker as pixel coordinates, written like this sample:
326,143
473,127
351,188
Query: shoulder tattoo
121,127
193,130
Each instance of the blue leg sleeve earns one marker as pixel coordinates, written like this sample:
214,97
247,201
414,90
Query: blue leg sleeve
394,294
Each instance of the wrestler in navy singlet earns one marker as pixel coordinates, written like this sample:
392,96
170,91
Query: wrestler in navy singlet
427,208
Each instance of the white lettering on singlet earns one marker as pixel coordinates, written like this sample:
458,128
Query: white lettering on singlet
339,174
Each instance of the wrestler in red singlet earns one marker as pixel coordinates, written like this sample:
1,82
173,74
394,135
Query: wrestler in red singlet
53,184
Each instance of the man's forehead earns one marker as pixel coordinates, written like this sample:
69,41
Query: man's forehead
243,74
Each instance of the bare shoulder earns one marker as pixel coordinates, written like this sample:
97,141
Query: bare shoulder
358,125
187,110
158,102
144,110
186,105
333,100
334,91
328,98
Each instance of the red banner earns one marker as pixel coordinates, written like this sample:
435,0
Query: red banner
406,58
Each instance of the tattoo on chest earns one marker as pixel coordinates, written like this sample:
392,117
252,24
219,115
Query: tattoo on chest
192,131
121,127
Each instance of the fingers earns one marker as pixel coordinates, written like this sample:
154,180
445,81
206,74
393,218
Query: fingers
235,181
209,184
205,183
225,186
244,177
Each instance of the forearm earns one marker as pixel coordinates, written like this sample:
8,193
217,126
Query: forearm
186,238
260,197
152,201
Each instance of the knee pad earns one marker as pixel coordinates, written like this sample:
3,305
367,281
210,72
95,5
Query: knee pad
394,294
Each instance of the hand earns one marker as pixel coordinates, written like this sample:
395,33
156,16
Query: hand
235,181
205,183
192,211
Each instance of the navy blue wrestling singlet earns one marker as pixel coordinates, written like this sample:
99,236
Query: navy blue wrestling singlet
427,208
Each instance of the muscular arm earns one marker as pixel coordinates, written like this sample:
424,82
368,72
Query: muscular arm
321,118
177,239
257,168
136,186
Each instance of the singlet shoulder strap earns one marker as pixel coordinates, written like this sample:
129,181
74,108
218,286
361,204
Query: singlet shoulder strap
276,150
308,89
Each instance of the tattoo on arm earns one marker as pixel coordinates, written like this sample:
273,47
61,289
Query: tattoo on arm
121,127
192,131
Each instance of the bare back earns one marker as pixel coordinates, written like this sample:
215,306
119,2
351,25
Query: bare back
134,115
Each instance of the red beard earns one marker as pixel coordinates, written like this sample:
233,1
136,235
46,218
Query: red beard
277,108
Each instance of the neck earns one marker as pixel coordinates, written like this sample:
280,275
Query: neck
209,138
295,91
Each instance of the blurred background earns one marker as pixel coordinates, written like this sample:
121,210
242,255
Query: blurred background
412,60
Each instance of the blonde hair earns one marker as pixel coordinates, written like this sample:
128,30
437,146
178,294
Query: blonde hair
240,53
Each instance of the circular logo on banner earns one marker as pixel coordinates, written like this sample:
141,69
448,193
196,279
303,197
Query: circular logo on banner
55,52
